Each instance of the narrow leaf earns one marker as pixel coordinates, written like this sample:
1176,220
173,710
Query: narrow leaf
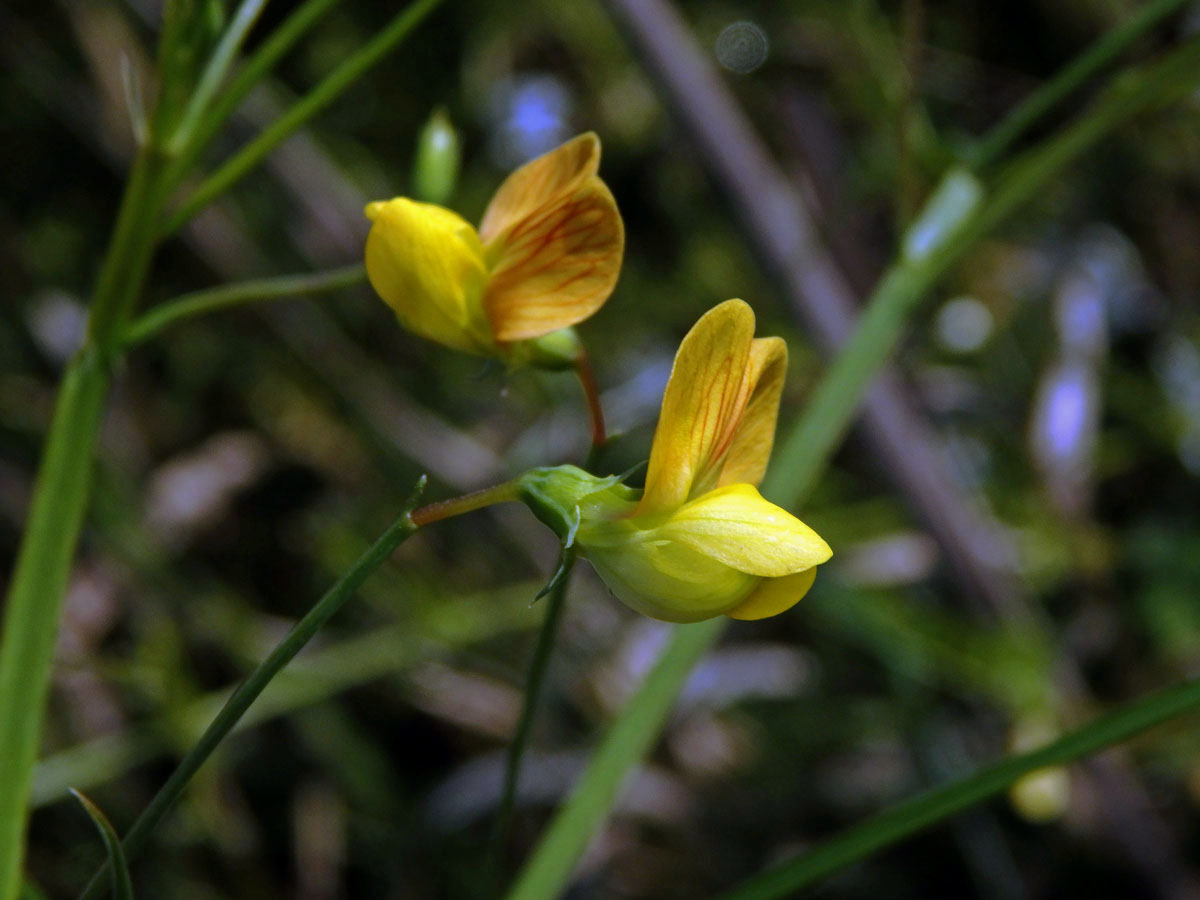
118,868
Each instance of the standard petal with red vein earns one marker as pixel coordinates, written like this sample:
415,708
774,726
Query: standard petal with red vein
705,396
539,182
557,265
746,460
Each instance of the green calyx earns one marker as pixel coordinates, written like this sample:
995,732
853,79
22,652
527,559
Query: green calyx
563,496
556,351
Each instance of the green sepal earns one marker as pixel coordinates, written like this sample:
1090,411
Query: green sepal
561,496
566,562
556,352
118,867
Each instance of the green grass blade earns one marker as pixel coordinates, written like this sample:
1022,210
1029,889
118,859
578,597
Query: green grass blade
802,453
312,103
226,102
1072,77
628,739
118,867
35,595
911,816
215,71
241,699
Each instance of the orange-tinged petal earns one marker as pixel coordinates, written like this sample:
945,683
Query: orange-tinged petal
427,264
705,396
746,461
557,265
735,526
774,595
540,182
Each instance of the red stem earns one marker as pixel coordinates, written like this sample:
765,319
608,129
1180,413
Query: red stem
583,368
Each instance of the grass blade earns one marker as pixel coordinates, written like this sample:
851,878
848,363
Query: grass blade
312,103
122,886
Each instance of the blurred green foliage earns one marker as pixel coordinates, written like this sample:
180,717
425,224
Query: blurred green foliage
247,459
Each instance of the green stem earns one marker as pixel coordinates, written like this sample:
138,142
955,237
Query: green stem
627,741
806,451
215,72
212,300
533,691
35,596
282,39
60,497
127,259
926,809
997,142
241,699
313,102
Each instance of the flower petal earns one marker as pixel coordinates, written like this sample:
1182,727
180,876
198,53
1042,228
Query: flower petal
705,396
736,526
540,182
557,265
427,264
667,580
746,461
774,595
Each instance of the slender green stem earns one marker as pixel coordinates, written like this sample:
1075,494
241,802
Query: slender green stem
913,815
215,72
241,699
627,741
281,40
997,142
200,303
35,594
127,259
806,451
533,690
60,497
312,103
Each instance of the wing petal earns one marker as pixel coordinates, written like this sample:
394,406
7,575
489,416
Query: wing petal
557,265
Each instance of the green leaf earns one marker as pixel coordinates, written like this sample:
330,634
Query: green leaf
118,868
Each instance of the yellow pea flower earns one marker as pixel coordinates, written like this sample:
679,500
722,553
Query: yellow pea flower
700,541
546,256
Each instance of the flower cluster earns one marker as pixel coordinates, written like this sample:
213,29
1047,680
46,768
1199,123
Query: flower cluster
698,540
546,256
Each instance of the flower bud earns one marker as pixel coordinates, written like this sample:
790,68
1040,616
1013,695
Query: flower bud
439,154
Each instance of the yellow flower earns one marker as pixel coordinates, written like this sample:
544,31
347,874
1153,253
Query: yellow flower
700,541
546,256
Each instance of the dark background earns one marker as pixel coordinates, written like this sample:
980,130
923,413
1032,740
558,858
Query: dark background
247,458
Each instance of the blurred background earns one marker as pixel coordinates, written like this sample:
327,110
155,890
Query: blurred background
1015,525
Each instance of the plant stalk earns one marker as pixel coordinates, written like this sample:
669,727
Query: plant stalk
199,303
247,692
34,602
533,690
